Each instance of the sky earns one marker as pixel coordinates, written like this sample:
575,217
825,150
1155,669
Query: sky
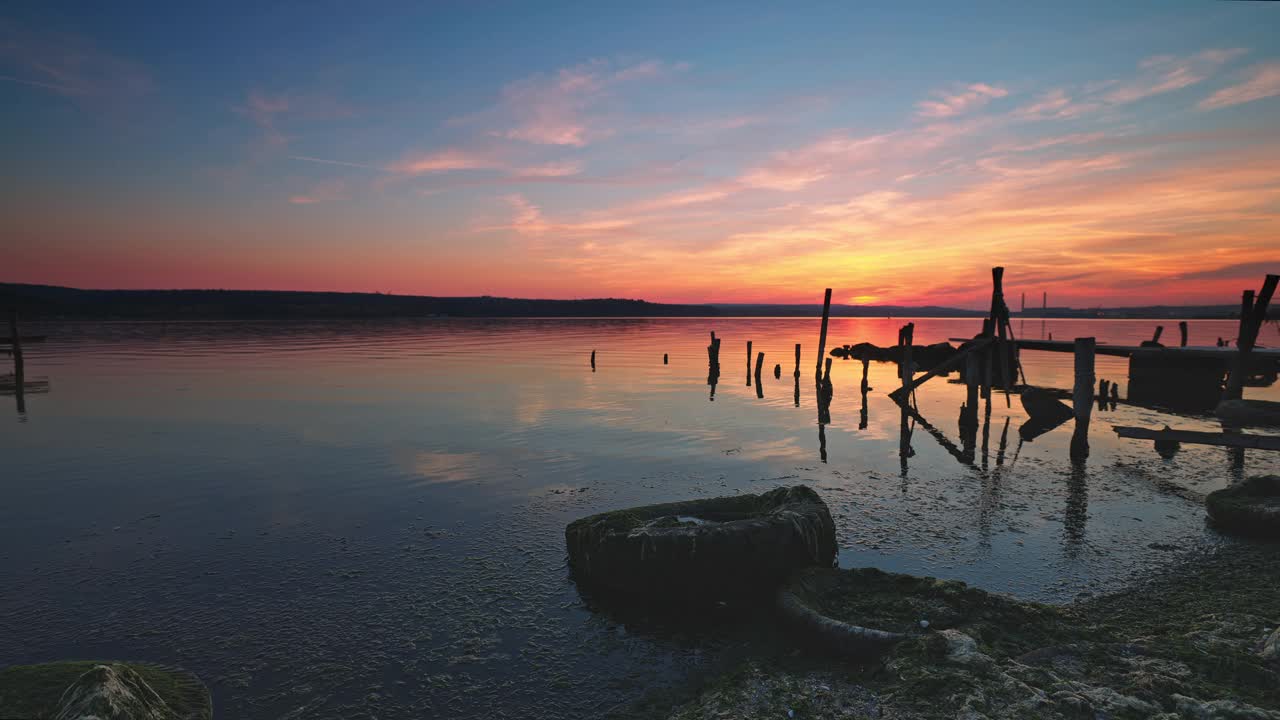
1107,153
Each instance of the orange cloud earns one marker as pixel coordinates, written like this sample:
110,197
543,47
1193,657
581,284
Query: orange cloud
1263,82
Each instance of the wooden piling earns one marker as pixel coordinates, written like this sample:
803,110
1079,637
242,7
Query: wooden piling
1182,330
1159,331
986,361
777,371
904,358
593,361
664,358
822,336
1082,396
19,364
1252,315
748,363
865,365
972,370
1000,316
797,373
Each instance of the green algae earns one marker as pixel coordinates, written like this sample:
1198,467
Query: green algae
33,691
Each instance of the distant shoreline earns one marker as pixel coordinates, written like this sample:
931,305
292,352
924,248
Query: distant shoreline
49,302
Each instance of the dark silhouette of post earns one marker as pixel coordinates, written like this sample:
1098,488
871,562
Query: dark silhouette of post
19,364
1182,330
1082,397
664,358
1155,339
748,363
777,371
1252,315
759,385
1000,316
986,361
593,361
972,368
905,371
713,365
797,373
822,336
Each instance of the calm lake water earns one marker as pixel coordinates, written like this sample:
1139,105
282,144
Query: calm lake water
366,519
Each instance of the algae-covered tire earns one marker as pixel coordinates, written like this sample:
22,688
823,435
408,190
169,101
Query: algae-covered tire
1248,508
711,549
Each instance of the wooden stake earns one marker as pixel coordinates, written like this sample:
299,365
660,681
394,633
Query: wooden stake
664,358
1082,397
1252,315
593,361
822,336
797,373
1159,331
1182,330
777,371
904,359
748,363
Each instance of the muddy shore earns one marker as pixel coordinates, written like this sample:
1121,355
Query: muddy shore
1198,640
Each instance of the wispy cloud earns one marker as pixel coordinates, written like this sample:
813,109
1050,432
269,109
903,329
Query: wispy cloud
1166,73
443,161
1263,81
959,100
270,110
69,65
320,193
563,108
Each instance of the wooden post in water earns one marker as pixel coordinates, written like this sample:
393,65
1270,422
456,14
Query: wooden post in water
593,361
1082,397
822,336
19,369
797,373
759,365
1182,330
1159,331
865,364
748,363
1000,316
986,361
1252,315
904,357
777,371
664,358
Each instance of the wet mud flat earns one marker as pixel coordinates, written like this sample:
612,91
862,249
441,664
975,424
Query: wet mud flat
1196,640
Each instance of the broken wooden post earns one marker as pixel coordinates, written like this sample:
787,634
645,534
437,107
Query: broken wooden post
777,371
904,359
1252,315
664,358
759,385
1224,439
1155,339
748,363
941,369
593,361
822,336
1082,397
1000,316
986,361
1182,330
1115,394
866,362
797,372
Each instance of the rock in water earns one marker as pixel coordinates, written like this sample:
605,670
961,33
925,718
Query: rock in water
112,692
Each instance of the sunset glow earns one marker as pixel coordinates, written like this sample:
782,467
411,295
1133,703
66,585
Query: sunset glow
716,155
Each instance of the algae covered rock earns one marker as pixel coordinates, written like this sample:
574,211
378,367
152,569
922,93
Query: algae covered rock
714,548
1249,508
108,692
86,690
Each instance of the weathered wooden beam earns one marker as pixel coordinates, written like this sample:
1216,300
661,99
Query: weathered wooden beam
946,367
1082,397
822,336
1182,330
1195,437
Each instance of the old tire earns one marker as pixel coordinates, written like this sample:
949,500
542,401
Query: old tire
709,549
1248,508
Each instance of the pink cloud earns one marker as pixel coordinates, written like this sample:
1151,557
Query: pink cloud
1263,82
442,161
960,100
70,65
320,193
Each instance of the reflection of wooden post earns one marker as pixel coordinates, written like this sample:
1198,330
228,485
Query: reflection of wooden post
822,336
1182,330
865,363
972,368
1082,396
